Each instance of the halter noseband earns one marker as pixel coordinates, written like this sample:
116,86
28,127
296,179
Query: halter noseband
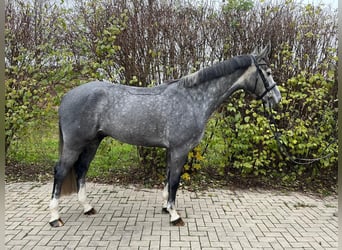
268,88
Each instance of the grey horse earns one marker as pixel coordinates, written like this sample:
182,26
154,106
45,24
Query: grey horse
172,116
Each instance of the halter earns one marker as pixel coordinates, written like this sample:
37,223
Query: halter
268,88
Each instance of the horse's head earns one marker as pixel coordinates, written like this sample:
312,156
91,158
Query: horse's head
264,87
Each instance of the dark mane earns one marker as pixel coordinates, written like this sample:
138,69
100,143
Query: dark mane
217,70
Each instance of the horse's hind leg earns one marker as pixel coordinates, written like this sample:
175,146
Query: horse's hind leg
81,167
175,161
70,162
62,169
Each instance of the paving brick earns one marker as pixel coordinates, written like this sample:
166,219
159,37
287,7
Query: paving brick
131,218
195,245
182,244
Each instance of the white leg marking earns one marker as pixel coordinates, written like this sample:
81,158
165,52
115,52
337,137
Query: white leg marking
165,195
173,213
54,209
82,198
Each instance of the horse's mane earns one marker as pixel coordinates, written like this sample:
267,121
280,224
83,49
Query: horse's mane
217,70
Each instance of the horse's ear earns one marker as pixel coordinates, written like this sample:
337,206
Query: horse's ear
256,51
265,52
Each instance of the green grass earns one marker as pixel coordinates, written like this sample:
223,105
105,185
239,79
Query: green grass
35,145
112,155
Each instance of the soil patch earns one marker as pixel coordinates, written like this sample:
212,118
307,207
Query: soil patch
16,172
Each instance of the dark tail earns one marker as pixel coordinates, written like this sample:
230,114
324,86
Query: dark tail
69,185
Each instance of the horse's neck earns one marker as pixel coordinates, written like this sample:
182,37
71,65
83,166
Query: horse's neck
212,94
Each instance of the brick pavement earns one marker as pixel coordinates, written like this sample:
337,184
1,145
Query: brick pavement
131,218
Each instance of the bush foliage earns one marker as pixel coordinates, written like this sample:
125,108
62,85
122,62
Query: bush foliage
53,47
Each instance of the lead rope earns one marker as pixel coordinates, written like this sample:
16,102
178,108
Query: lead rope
283,148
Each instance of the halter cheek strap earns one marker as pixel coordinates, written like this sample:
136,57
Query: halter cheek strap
268,88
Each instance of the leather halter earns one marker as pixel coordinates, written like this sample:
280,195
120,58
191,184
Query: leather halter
267,86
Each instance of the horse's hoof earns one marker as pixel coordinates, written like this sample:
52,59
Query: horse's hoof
179,222
56,223
164,210
90,212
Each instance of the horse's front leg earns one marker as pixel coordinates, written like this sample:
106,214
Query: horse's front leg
166,187
175,161
165,197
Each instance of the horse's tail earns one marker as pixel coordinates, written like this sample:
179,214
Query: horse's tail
69,185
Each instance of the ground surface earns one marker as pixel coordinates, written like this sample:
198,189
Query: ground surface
130,218
18,172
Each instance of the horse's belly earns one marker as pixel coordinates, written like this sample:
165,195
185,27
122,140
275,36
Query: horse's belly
146,142
139,139
141,132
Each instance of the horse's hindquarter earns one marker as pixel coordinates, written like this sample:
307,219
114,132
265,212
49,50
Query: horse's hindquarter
80,112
